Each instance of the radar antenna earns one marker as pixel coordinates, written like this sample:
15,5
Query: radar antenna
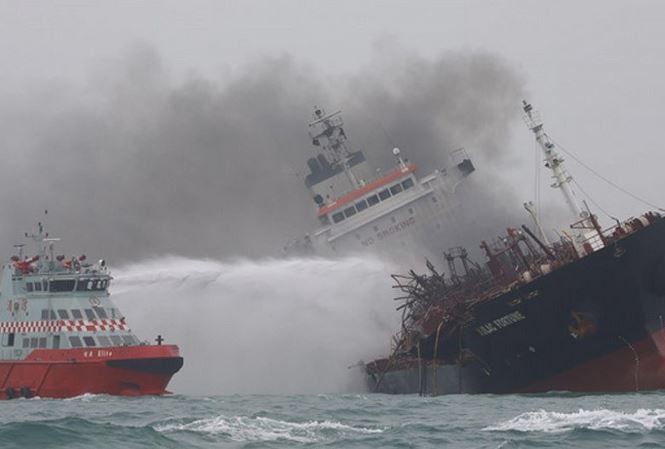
327,131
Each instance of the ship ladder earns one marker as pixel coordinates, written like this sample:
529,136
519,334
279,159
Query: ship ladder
637,362
420,371
434,360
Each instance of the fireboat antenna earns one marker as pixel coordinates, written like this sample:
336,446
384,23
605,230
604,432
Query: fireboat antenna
327,131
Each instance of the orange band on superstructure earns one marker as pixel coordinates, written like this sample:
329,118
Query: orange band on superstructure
364,190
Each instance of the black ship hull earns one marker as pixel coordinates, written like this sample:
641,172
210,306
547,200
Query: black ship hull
596,324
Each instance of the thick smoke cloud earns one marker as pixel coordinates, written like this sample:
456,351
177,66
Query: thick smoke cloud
138,163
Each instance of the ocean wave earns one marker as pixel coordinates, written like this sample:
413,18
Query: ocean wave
243,428
642,420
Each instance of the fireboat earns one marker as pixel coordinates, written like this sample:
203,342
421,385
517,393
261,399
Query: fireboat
61,336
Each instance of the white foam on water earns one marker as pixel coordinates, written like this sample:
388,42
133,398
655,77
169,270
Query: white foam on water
642,420
243,428
263,326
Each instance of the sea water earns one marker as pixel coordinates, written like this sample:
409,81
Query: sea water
337,420
270,348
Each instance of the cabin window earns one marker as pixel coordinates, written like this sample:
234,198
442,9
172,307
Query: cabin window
62,285
90,314
48,314
42,342
56,342
75,342
28,286
38,286
44,314
89,341
407,183
101,313
76,313
397,188
117,341
129,340
324,220
34,341
26,343
361,205
104,340
8,339
62,313
339,216
384,194
349,212
372,200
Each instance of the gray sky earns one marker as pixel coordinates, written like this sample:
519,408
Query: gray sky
594,69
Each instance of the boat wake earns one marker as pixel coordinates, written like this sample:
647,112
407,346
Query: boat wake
642,420
268,326
244,428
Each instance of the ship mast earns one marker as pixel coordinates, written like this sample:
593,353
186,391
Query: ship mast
327,131
553,161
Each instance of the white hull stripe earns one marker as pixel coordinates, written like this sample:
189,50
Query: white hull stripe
63,325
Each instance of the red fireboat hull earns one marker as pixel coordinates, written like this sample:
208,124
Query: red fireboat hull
63,373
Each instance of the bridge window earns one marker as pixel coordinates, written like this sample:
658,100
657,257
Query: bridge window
45,285
28,287
361,205
63,285
75,342
76,313
349,212
372,200
407,183
34,341
91,284
89,341
62,314
26,343
339,216
117,341
104,340
38,286
48,314
397,188
324,220
90,314
384,194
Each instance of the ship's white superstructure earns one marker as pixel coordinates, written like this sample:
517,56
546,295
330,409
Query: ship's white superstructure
394,212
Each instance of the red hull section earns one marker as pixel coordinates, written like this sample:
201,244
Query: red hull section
123,370
637,366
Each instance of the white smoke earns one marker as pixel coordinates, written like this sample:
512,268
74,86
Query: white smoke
267,326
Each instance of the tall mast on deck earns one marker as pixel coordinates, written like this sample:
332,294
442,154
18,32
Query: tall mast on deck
327,132
553,161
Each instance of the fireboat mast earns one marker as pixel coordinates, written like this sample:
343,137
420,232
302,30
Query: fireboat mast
327,131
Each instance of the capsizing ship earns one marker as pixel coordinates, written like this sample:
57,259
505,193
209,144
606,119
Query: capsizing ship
584,313
61,336
361,210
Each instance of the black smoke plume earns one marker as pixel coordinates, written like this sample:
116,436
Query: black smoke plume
139,163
